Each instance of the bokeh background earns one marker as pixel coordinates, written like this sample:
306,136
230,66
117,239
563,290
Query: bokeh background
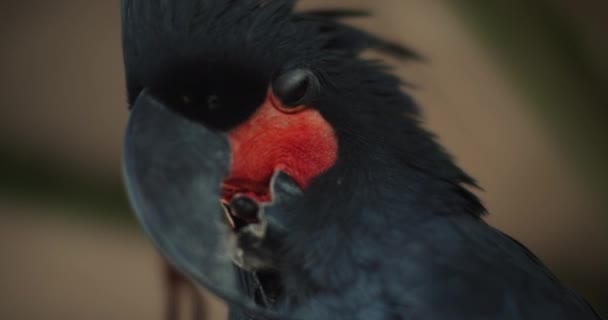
516,90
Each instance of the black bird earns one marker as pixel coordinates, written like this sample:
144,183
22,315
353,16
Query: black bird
336,203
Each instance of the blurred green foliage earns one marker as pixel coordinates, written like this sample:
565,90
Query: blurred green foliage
50,182
552,58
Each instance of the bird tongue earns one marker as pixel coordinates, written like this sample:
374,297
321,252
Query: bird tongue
242,200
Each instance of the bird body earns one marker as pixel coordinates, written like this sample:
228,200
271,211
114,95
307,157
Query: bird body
338,203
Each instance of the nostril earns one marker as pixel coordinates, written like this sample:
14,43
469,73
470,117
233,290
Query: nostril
244,207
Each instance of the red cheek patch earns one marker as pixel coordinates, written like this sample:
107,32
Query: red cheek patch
301,144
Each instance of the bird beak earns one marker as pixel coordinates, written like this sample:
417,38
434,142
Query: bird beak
173,169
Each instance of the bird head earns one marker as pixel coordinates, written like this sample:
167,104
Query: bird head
225,94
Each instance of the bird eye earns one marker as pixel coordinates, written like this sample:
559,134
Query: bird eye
295,88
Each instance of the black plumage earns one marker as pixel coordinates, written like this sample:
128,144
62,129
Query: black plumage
390,231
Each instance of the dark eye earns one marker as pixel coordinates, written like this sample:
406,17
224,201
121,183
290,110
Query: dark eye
296,87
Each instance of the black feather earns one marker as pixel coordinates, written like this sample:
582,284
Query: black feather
390,231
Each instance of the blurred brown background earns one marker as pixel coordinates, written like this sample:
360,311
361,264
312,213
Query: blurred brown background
516,90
